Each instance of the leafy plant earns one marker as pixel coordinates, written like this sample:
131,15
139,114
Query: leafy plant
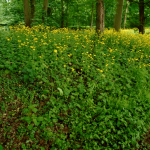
68,89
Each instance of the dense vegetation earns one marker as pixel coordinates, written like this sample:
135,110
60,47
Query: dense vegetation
67,89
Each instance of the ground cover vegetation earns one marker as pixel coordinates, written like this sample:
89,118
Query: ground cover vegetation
67,89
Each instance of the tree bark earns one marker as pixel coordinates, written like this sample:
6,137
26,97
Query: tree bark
32,3
92,16
118,15
26,13
45,6
62,14
100,16
125,16
141,17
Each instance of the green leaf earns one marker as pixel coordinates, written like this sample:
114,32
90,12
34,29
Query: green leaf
84,128
23,146
106,139
25,110
30,127
26,77
78,105
55,120
68,79
72,97
46,81
128,86
125,123
28,119
1,147
52,84
118,123
61,92
32,106
11,68
148,95
7,71
115,145
49,134
97,136
2,66
125,96
45,91
40,118
35,122
66,92
34,110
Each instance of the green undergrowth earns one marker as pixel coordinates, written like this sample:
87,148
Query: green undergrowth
65,89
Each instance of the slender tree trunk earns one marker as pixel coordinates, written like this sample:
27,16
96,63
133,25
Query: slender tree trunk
67,16
103,15
100,16
125,16
92,16
45,5
26,13
78,23
49,11
141,17
118,15
32,3
62,14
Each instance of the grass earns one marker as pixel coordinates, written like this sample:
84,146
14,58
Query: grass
67,90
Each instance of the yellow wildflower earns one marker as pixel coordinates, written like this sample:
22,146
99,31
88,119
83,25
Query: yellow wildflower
72,69
55,51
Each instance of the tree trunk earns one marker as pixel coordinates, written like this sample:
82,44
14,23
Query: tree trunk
62,14
118,15
26,13
141,17
45,5
92,16
67,15
32,3
125,16
49,11
100,16
78,23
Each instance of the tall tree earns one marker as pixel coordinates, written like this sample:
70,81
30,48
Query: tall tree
125,16
32,3
100,16
62,14
45,6
118,15
49,11
141,17
92,15
26,13
67,14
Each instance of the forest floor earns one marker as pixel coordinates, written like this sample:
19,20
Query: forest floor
67,89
